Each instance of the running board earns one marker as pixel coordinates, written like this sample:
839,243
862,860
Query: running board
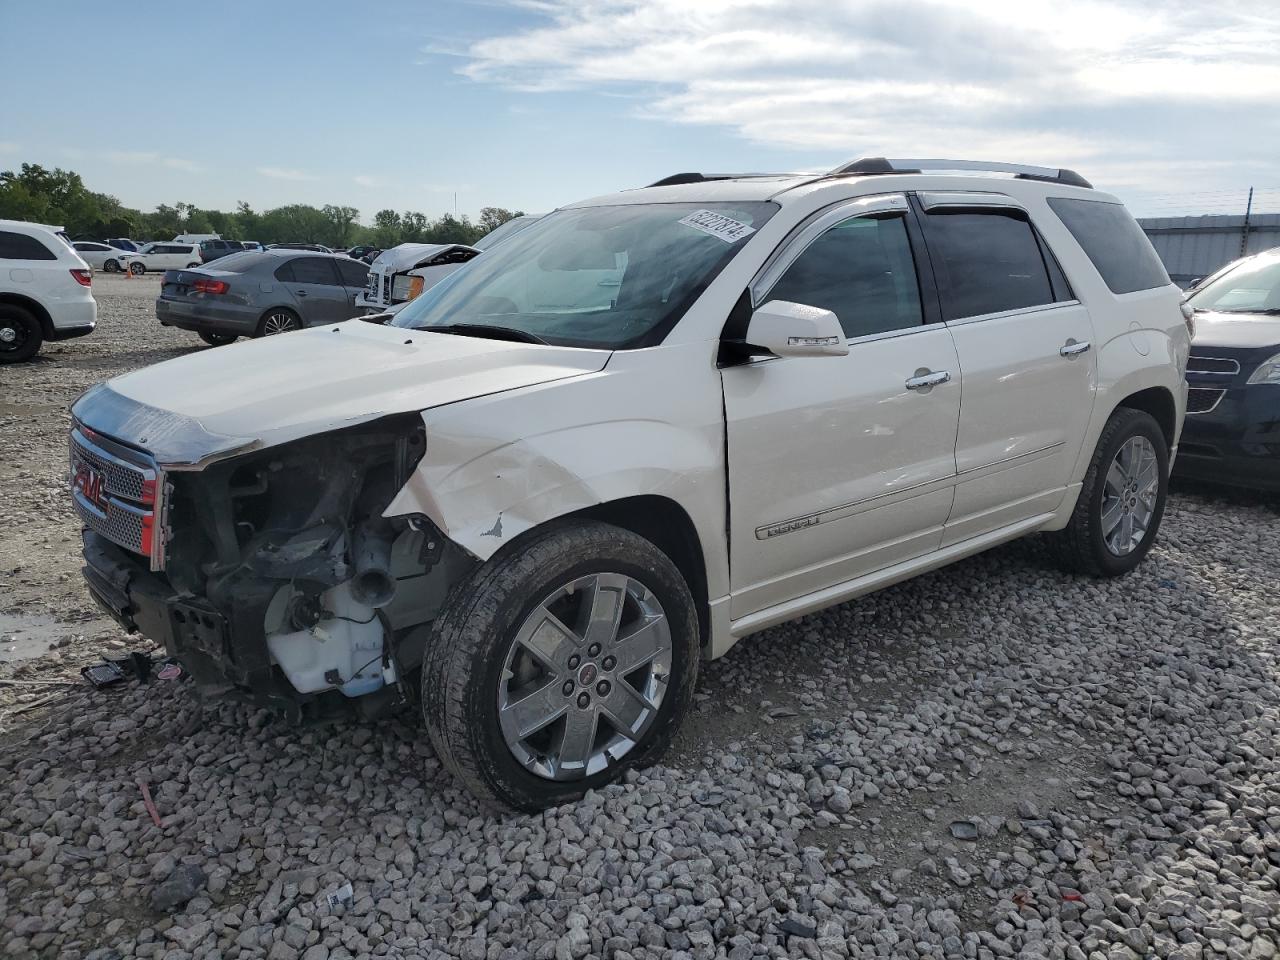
871,582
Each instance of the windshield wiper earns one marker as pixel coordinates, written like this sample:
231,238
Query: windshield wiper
486,330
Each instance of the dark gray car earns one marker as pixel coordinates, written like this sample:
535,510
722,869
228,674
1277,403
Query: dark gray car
259,293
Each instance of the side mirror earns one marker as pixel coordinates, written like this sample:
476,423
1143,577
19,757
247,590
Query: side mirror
789,329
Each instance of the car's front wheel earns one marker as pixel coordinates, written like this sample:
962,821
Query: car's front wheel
279,321
20,334
1122,501
559,664
111,266
137,268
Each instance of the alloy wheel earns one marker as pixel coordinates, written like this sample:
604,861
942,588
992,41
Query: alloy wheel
1129,495
585,676
12,336
278,323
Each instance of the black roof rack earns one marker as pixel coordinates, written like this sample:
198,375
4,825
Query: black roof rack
870,166
678,178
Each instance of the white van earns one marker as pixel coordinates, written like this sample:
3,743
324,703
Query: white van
171,255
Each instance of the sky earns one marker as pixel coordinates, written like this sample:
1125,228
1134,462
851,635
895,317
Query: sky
528,104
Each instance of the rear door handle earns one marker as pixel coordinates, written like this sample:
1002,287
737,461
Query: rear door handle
301,293
1074,348
922,381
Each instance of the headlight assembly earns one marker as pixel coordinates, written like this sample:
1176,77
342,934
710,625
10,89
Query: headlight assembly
1267,372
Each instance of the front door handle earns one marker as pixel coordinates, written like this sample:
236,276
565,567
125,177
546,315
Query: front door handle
1073,348
301,293
928,378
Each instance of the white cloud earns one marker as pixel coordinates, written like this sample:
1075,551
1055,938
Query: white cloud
286,173
9,146
151,158
363,180
1099,82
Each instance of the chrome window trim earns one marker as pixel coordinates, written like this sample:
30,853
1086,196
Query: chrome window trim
1001,314
941,199
812,227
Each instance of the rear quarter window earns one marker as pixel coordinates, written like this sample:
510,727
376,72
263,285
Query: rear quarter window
19,246
1113,242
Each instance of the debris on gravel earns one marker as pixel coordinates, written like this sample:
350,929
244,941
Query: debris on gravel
995,760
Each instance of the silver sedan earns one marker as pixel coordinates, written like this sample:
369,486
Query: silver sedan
259,293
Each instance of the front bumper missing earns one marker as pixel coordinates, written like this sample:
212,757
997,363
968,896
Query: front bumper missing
221,651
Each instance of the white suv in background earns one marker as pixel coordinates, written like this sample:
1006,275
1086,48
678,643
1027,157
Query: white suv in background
45,291
642,428
170,255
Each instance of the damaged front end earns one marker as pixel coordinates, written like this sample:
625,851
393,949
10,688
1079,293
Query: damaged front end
269,573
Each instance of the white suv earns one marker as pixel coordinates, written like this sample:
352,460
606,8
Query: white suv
45,290
644,427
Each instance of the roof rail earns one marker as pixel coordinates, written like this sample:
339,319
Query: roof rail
678,178
868,166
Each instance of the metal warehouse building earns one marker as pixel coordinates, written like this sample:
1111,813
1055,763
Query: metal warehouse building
1194,247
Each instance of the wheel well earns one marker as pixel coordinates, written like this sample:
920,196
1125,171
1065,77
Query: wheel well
1158,402
664,523
41,314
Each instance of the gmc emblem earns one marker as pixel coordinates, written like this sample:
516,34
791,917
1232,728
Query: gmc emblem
88,483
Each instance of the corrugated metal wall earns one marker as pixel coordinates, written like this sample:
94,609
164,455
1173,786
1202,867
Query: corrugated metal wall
1194,247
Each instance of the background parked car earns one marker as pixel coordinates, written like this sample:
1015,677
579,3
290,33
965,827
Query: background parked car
166,255
358,252
124,243
45,290
103,256
313,247
211,250
1232,433
259,293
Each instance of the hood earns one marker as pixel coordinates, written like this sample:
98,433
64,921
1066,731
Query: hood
259,393
1238,330
410,255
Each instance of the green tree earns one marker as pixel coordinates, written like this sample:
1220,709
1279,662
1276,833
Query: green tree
342,224
387,229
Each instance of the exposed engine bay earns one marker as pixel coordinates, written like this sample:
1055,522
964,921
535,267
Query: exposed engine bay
282,580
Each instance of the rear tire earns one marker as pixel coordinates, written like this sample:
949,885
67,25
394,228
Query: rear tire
279,320
1118,513
217,339
500,642
20,334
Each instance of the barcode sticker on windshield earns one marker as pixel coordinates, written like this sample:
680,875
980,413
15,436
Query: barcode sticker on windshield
719,226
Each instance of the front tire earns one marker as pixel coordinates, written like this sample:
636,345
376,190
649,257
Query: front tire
277,321
559,665
1122,501
137,269
111,266
20,334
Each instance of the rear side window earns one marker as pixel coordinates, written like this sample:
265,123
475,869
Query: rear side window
1114,242
987,262
313,270
863,272
354,273
19,246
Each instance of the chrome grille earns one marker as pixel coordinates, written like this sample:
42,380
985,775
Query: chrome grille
371,285
115,491
386,288
1212,365
1203,399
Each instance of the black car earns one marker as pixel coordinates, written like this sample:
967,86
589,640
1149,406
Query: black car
361,251
211,250
1232,430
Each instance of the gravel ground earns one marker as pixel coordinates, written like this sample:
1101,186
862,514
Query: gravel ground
994,760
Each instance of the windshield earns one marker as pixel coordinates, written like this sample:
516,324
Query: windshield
1252,287
508,229
611,277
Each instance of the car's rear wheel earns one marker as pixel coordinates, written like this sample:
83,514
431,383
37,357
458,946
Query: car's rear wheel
111,266
1122,501
192,266
279,320
559,665
20,334
217,339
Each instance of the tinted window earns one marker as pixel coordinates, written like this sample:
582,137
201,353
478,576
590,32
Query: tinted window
354,273
313,270
862,271
987,263
241,262
19,246
1114,243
